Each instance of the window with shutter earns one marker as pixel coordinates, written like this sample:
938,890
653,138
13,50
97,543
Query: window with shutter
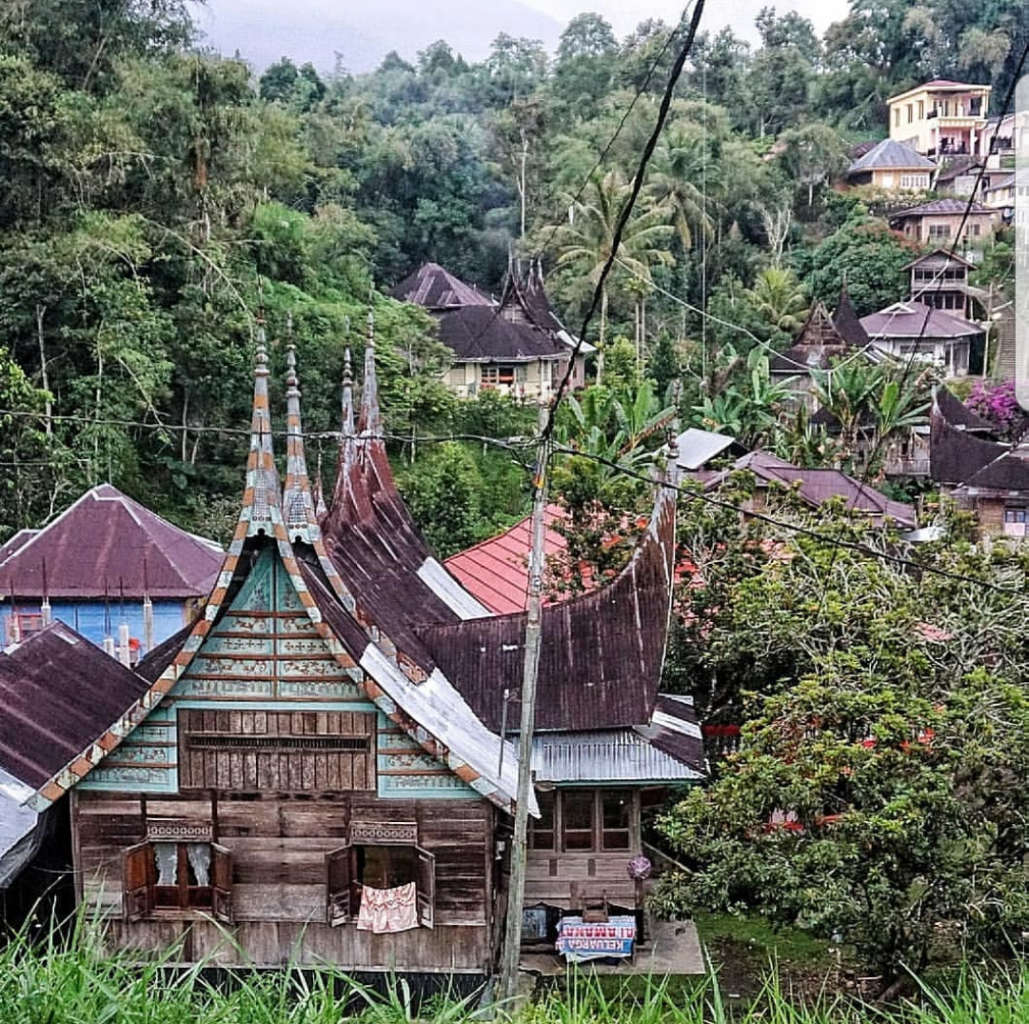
164,875
221,883
139,877
339,880
426,887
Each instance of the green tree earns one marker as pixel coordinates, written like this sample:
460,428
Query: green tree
883,728
587,242
781,299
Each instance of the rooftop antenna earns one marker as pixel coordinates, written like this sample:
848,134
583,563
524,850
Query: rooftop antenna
148,611
108,639
44,609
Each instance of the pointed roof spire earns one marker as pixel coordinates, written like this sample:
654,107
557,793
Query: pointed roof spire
262,491
297,499
370,420
348,395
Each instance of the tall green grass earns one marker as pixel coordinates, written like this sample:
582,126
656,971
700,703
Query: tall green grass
66,978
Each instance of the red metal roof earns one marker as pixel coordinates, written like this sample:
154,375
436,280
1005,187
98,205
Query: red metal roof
496,571
107,543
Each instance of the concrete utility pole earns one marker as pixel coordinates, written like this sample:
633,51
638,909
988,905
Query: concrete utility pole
510,956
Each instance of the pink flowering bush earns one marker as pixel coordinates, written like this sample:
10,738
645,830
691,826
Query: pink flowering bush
996,403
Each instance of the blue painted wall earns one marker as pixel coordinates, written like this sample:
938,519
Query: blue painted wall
89,617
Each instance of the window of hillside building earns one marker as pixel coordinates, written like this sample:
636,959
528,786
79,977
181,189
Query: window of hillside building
353,866
616,818
165,876
498,374
578,818
542,829
911,113
1016,522
921,110
939,231
914,181
896,116
976,228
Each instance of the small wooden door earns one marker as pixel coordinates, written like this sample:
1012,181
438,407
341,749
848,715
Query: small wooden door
139,878
426,887
221,883
339,885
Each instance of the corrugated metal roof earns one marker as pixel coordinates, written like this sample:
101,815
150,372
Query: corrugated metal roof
106,543
434,287
696,447
609,755
891,154
16,823
496,571
917,320
601,652
59,693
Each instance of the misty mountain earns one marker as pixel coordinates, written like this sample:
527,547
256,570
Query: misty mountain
262,31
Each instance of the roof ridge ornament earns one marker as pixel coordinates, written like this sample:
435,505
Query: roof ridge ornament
298,503
369,423
262,488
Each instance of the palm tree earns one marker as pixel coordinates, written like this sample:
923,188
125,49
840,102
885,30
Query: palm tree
587,241
781,299
677,166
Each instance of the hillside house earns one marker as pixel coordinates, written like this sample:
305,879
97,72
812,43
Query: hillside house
814,487
941,118
914,329
111,569
515,346
319,763
823,340
892,166
940,279
982,473
939,221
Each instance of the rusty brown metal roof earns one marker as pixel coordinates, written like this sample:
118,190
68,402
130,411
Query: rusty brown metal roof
59,692
601,653
435,288
106,543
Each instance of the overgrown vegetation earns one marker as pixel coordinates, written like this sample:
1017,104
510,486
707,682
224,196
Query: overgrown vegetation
147,184
60,980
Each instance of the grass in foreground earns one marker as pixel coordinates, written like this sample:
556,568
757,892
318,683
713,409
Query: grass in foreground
68,980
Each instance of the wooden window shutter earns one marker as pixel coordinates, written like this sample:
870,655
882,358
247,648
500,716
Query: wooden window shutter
426,886
139,877
221,883
339,886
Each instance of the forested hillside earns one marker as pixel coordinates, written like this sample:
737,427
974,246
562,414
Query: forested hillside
155,197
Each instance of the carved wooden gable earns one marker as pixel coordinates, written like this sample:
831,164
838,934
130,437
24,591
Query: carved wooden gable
265,706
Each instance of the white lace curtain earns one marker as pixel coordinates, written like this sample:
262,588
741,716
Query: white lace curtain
166,856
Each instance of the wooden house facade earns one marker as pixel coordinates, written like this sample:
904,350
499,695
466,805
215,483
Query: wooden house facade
316,770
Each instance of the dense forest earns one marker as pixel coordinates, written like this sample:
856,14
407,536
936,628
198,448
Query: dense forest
156,197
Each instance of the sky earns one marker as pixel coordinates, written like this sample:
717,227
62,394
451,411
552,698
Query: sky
362,33
625,15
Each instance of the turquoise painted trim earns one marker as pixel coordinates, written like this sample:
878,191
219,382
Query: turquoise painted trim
274,705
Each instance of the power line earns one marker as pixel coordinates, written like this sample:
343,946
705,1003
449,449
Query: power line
825,538
651,71
873,456
626,211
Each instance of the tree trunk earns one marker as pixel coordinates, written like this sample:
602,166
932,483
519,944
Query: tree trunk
43,368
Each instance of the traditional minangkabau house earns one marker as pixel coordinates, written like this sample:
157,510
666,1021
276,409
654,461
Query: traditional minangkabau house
823,340
316,766
516,346
111,569
981,472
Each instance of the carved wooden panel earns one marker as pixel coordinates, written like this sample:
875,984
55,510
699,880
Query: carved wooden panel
285,751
